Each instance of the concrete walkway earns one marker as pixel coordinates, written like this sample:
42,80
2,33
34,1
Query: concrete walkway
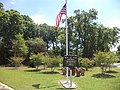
116,65
4,87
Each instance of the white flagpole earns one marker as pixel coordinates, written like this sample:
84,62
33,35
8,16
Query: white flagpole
66,31
66,41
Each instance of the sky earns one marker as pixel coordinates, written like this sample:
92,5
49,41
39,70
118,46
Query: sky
45,11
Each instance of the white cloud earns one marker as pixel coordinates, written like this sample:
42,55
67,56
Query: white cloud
40,19
113,22
12,2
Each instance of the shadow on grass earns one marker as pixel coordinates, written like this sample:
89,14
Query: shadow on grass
37,86
50,72
100,75
111,72
65,89
32,70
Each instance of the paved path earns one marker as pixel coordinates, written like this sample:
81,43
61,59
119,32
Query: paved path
116,65
4,87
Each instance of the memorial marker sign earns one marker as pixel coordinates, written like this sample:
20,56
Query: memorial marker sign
70,61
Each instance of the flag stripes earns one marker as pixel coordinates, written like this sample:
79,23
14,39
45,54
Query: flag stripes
59,16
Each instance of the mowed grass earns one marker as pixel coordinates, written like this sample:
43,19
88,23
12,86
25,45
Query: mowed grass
29,79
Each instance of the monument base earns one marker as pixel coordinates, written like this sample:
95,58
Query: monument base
66,84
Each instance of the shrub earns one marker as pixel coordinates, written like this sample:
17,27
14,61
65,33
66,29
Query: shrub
85,62
105,60
16,61
36,60
54,62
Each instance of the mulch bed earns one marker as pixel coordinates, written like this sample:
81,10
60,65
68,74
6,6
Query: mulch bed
102,75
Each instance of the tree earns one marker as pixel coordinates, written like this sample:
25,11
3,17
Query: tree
10,25
1,6
43,33
111,58
118,52
36,59
48,34
19,49
54,62
105,60
86,36
83,31
36,45
30,29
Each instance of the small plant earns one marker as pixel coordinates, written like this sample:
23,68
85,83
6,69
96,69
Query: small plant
36,60
16,61
86,63
54,62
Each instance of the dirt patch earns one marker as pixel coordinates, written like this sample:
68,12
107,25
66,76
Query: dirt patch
101,75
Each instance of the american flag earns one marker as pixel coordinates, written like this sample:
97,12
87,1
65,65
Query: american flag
59,16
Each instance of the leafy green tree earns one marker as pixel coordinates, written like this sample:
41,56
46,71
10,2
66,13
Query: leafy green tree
111,58
105,60
19,46
53,62
118,52
36,60
48,34
85,31
43,33
61,40
36,45
1,6
30,29
10,25
19,49
87,37
100,60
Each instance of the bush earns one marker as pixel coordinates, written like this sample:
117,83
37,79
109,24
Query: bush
36,60
86,63
16,61
54,62
105,60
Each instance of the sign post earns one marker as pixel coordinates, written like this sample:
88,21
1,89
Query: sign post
70,77
69,61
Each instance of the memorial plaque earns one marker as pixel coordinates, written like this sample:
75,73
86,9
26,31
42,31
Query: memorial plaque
70,61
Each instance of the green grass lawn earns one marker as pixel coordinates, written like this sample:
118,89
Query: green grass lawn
28,79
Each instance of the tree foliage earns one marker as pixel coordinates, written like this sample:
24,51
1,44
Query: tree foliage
105,60
53,62
36,45
118,52
86,63
36,60
19,46
86,35
19,50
